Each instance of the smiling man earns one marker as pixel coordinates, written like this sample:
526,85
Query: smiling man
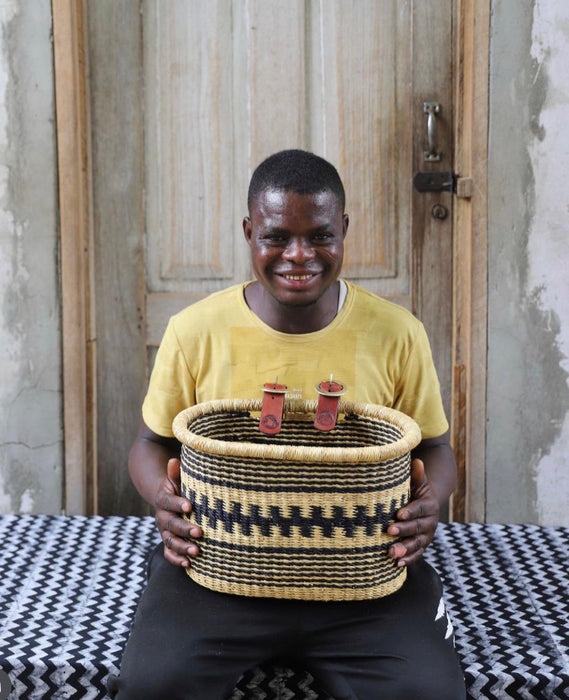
300,321
297,248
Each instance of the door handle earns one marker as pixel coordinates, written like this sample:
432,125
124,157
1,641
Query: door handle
431,109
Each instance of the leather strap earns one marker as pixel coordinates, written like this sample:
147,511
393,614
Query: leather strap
272,408
328,399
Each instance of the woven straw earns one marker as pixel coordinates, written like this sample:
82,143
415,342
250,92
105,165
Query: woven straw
302,514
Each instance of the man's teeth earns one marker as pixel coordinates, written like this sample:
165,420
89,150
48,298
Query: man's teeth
297,277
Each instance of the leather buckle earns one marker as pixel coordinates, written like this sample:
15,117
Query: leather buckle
327,410
272,408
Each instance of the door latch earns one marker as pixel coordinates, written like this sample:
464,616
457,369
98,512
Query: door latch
435,182
462,187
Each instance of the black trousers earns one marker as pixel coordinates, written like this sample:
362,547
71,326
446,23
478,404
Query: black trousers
193,643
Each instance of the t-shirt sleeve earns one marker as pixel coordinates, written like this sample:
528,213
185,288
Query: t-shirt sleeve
418,392
171,388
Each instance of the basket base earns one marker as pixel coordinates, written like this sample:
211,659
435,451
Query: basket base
299,592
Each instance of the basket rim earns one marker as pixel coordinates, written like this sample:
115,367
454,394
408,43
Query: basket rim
298,453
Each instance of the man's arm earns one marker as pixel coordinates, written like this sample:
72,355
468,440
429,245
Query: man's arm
155,471
433,478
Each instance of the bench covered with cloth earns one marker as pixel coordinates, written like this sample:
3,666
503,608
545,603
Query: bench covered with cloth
69,586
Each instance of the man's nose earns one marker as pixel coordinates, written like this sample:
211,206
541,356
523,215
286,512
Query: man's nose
298,250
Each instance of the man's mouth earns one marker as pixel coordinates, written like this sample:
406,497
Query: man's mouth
297,278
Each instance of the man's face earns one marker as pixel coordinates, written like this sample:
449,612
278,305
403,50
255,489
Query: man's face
297,244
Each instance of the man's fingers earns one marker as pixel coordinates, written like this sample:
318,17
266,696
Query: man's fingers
416,522
168,496
410,545
176,559
410,558
169,521
417,472
408,550
174,504
178,545
177,550
422,509
415,526
397,551
181,528
173,470
174,529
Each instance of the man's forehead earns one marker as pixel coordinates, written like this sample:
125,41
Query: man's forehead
277,202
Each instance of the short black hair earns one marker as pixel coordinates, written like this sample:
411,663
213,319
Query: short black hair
298,171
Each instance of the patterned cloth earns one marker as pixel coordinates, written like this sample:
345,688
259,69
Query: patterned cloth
69,587
507,592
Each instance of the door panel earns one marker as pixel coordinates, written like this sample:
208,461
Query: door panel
188,146
226,83
115,89
432,250
358,126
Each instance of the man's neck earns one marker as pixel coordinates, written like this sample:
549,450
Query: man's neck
292,319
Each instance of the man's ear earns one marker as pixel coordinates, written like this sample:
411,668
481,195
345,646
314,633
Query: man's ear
345,223
247,230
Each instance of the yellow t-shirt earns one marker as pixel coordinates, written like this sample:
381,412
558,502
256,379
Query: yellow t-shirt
218,348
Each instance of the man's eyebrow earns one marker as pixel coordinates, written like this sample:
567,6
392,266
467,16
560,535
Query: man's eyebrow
275,229
323,228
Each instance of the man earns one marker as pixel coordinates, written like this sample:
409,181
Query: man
299,321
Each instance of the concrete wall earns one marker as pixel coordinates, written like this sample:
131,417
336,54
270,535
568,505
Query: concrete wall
528,392
30,353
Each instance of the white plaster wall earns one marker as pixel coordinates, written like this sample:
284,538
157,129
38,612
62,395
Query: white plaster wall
527,456
548,242
30,353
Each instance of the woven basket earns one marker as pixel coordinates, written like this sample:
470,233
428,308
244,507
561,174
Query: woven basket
302,514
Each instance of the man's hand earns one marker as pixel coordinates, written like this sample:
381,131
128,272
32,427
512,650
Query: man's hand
170,507
417,521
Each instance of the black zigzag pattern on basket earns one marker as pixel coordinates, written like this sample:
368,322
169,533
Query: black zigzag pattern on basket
245,520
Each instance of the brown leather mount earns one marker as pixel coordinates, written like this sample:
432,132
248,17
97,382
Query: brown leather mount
272,408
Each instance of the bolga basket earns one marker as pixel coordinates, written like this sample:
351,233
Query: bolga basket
302,514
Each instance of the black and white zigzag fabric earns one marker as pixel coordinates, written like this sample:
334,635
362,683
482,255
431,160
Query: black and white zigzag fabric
507,592
69,586
68,593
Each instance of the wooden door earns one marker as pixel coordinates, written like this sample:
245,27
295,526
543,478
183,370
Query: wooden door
186,97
